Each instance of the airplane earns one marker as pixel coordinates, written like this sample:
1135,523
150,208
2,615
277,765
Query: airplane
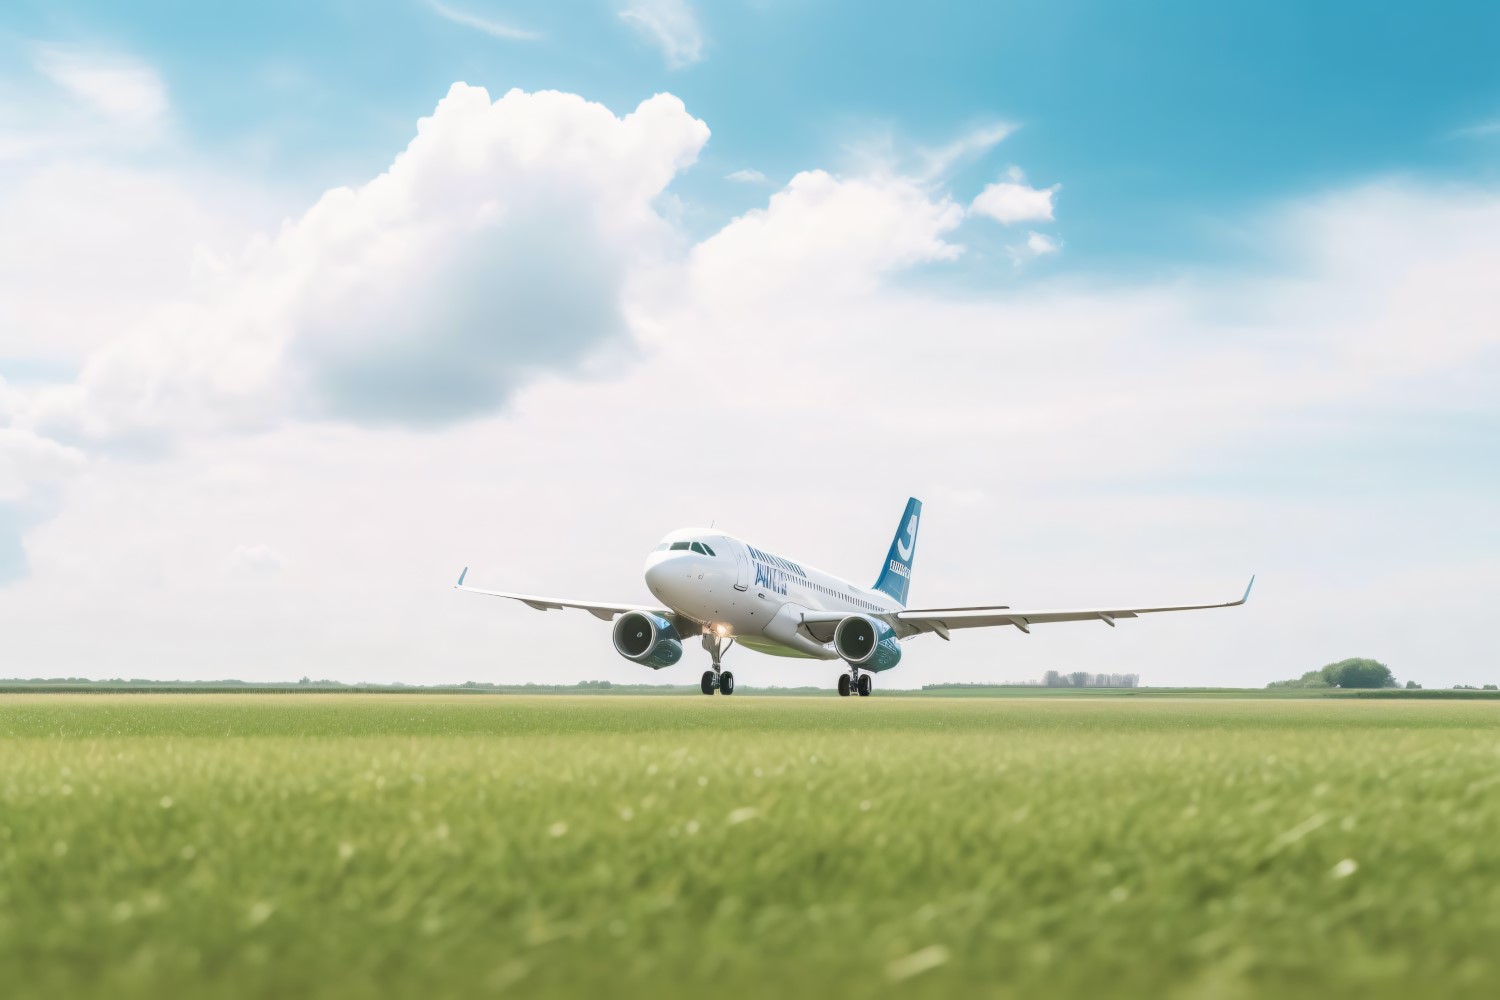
728,591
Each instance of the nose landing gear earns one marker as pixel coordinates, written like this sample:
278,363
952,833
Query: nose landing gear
855,682
717,679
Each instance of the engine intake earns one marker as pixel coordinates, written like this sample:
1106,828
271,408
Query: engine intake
867,642
647,638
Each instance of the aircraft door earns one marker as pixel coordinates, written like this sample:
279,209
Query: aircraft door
742,567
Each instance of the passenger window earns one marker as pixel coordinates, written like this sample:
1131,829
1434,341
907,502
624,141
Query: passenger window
679,546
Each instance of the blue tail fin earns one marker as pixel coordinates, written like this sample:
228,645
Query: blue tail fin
895,576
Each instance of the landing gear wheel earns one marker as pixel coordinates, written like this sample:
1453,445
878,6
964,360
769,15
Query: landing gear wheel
843,685
865,685
708,682
726,683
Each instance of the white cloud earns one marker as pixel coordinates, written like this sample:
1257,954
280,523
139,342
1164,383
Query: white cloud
747,176
838,236
1040,244
30,463
1012,201
496,246
671,25
89,250
969,146
487,25
117,86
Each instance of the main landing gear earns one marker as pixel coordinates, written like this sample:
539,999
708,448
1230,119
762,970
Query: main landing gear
855,682
716,679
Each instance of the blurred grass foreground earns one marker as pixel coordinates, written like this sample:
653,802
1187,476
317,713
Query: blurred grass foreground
341,845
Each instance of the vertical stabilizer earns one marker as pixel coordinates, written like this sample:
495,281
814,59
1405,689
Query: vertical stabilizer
895,575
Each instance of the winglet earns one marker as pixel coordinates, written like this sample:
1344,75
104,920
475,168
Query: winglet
1242,600
461,576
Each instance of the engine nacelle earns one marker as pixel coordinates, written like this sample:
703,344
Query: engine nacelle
867,642
647,638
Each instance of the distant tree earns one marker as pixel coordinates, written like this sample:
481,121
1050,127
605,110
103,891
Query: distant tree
1489,687
1053,679
1352,673
1413,686
1359,673
1079,678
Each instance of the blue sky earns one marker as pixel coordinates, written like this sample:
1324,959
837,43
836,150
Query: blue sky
1138,298
1163,120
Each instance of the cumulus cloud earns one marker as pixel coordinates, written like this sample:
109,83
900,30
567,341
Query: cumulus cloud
1036,245
747,176
115,85
1041,244
33,470
30,463
838,235
486,25
496,246
1012,201
671,25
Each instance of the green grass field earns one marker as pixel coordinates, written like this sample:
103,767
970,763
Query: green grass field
338,845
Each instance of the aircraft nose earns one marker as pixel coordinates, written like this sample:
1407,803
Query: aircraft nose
659,570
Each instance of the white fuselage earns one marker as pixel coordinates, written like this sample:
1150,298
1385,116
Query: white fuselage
755,596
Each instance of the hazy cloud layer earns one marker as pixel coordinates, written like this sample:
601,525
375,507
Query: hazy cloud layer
115,85
790,376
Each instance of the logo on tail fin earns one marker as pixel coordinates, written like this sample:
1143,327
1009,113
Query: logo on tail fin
895,578
904,548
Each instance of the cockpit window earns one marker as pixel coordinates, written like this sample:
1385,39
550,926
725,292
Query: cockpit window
698,548
679,546
707,549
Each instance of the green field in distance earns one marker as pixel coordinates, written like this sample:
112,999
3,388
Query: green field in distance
333,845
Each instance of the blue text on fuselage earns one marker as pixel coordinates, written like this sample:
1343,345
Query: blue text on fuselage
770,578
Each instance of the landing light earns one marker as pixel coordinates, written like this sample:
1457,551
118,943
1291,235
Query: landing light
721,630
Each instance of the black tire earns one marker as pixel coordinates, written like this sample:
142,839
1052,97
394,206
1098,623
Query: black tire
726,683
708,682
865,685
843,685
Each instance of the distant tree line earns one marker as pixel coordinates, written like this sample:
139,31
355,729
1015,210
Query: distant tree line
1083,679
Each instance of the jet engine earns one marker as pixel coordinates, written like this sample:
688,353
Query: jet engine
647,638
867,642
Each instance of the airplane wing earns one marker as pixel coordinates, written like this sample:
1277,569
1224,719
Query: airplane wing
941,620
606,612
